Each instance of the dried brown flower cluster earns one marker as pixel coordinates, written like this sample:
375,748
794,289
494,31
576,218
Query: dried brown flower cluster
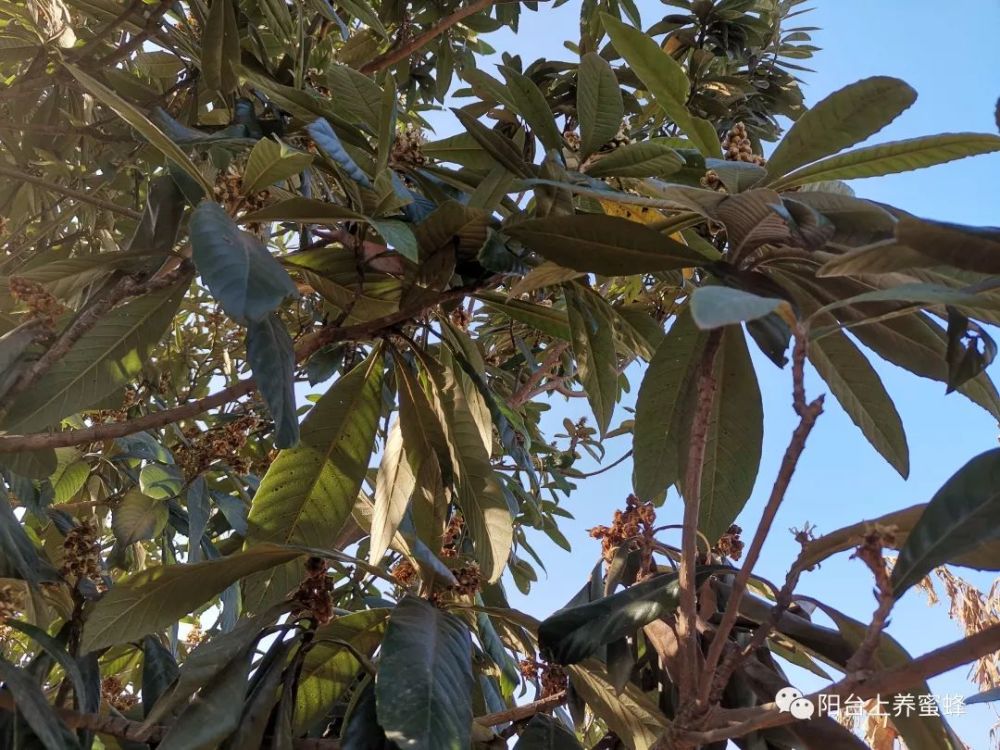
82,554
195,636
313,599
632,525
730,545
114,694
228,190
553,677
449,541
572,140
737,146
621,138
11,602
974,611
224,441
460,318
404,573
468,578
407,149
39,301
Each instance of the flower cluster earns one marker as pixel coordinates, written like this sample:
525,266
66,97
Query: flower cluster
738,147
82,554
39,301
313,599
730,545
225,441
11,602
114,694
407,148
553,677
634,524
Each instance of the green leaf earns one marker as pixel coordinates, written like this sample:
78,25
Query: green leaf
159,671
632,716
395,484
641,159
220,48
487,515
399,236
33,707
330,668
239,271
986,556
265,692
502,149
271,355
593,343
964,513
859,389
309,491
99,364
548,320
209,658
717,306
598,103
215,711
968,248
138,517
893,157
533,107
545,733
659,408
69,481
423,689
731,464
272,161
357,93
916,293
142,124
737,176
159,596
844,118
607,245
665,79
575,633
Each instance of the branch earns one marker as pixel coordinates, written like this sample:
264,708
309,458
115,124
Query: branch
687,631
127,287
524,394
403,51
83,197
523,712
309,345
889,682
714,680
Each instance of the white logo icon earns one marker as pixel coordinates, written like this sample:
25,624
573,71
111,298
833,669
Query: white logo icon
790,700
785,697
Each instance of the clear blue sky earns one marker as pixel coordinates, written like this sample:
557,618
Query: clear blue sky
949,53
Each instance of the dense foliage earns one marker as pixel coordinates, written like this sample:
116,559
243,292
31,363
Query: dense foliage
274,364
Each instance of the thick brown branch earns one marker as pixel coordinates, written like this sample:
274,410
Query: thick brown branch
528,389
411,46
712,683
79,195
310,345
741,722
687,631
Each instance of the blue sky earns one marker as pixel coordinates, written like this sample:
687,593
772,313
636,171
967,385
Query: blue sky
948,53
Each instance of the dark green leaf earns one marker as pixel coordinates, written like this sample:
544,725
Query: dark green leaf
220,48
641,159
963,514
592,330
607,245
546,733
33,706
598,103
271,355
239,271
659,407
159,670
533,107
309,491
969,248
270,162
844,118
498,146
717,306
424,684
161,595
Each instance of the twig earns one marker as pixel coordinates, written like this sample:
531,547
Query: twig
523,712
603,469
109,28
742,721
111,430
403,51
713,683
148,28
79,195
687,631
527,390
